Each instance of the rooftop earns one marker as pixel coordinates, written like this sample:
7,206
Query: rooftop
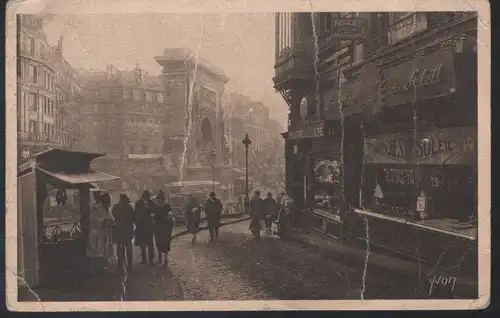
185,55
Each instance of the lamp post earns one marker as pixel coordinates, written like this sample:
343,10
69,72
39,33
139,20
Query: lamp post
247,143
214,153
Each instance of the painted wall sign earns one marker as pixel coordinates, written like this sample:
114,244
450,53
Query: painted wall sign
348,28
310,130
425,77
436,146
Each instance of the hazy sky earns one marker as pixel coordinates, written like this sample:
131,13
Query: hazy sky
241,44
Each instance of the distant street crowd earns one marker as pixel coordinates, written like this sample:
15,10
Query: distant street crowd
149,224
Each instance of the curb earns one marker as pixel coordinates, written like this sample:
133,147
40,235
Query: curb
202,228
378,260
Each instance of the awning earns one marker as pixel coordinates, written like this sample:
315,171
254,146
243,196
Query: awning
79,177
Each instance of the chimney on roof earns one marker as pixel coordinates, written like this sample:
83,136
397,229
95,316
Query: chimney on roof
59,48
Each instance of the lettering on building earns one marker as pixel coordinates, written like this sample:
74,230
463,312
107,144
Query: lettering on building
419,78
402,176
431,146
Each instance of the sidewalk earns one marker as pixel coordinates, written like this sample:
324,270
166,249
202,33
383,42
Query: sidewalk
151,282
376,259
144,282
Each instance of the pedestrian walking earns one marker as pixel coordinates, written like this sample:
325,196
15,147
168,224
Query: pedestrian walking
163,225
271,211
193,213
123,231
213,210
144,230
257,209
108,225
96,244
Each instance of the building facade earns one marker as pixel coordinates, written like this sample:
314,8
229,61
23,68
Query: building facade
384,126
43,118
123,115
251,117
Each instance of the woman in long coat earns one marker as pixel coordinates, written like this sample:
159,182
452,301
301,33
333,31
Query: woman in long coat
164,223
96,244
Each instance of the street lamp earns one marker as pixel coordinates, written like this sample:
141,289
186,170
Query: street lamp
214,153
247,143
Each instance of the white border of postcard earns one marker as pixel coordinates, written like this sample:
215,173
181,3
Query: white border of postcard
189,6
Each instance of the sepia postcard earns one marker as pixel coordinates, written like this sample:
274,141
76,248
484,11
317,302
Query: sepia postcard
260,155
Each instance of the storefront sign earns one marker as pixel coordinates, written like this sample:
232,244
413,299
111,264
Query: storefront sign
405,176
436,146
348,28
425,77
311,130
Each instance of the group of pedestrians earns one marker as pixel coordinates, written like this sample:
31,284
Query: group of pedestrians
264,212
153,222
148,224
213,210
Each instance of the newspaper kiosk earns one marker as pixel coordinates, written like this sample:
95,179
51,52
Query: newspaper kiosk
44,257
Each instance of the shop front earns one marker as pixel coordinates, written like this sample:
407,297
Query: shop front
327,187
419,188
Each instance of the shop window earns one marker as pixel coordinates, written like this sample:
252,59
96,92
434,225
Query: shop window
403,25
358,53
33,127
393,190
160,97
148,96
33,74
32,102
31,45
136,94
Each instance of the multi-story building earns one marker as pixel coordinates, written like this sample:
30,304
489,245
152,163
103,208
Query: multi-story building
123,115
36,85
383,125
247,116
68,100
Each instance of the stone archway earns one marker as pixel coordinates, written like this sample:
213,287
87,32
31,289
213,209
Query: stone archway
206,131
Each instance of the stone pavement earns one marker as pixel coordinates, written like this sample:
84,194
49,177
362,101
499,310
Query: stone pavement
144,282
150,283
239,268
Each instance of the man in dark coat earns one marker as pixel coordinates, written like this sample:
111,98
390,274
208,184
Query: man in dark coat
164,223
144,230
123,231
271,211
257,210
193,214
213,209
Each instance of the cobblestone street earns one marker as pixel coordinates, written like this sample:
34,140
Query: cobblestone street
239,268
